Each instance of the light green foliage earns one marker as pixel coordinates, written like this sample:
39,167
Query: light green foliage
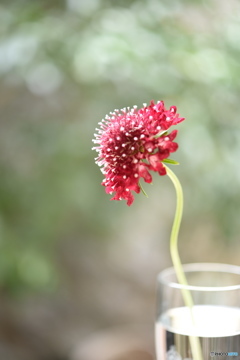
63,65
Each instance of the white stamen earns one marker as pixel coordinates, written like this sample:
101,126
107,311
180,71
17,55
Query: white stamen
150,117
100,162
168,118
124,166
135,161
127,189
123,145
136,175
122,128
158,127
108,149
124,155
135,138
132,148
150,150
116,147
166,138
118,138
142,136
124,176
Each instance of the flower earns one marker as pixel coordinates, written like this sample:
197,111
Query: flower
132,142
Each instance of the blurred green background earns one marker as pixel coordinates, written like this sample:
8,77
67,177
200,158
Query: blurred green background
77,271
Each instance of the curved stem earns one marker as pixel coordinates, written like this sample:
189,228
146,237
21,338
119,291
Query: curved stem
174,235
194,341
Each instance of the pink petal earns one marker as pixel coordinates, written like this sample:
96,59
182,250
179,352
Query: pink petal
144,173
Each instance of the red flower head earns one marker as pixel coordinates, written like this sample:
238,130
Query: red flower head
133,142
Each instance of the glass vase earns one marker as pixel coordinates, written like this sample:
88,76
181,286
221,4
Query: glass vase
213,321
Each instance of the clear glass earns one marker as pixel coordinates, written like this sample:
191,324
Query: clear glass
214,319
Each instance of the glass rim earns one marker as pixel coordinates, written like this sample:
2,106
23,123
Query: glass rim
200,267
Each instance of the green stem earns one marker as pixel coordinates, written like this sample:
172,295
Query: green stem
194,341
